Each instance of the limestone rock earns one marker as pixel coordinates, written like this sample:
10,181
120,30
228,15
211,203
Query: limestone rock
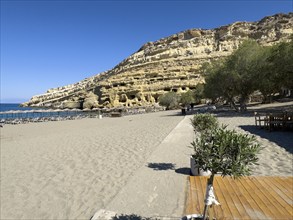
169,64
91,101
70,104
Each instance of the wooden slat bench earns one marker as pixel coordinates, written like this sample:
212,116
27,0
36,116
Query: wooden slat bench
255,197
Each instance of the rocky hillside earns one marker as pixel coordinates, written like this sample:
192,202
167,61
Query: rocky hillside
169,64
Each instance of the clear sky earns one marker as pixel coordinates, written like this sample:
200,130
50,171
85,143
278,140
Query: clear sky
47,44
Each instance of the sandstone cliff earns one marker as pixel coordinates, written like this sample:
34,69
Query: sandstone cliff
169,64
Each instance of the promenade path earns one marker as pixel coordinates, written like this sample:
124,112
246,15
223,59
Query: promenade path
158,188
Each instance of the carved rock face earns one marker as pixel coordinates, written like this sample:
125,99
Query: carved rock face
91,101
169,64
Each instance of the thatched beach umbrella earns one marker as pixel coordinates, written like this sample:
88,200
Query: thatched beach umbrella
18,113
36,112
3,115
25,114
73,111
10,112
57,111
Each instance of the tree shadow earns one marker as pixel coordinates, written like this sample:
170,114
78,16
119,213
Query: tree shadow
282,138
161,166
132,217
169,166
232,113
227,111
173,113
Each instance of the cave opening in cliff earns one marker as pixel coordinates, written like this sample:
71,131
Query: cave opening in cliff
123,98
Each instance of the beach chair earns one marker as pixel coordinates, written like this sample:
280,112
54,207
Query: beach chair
288,120
261,119
276,121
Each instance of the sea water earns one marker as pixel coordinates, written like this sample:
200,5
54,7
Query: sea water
13,110
12,107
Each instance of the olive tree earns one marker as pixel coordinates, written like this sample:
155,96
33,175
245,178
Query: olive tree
223,151
220,83
249,68
243,64
281,64
198,93
170,100
187,98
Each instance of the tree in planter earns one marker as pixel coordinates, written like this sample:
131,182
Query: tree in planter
226,152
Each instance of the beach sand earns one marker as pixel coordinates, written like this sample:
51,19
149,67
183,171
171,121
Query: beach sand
134,164
70,169
275,158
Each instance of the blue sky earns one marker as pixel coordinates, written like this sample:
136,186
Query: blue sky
47,44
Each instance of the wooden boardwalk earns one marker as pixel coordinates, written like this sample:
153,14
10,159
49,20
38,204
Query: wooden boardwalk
254,197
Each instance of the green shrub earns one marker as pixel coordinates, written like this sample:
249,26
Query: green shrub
204,123
226,151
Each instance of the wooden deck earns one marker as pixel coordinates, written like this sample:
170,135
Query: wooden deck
254,197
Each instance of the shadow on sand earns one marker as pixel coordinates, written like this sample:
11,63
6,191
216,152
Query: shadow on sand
282,138
169,166
161,166
227,111
183,170
132,217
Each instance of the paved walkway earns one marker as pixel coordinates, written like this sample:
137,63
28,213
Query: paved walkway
158,188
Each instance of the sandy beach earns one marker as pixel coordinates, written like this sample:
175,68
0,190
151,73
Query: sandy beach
134,164
69,169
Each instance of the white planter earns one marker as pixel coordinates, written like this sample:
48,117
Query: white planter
99,116
192,216
195,170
